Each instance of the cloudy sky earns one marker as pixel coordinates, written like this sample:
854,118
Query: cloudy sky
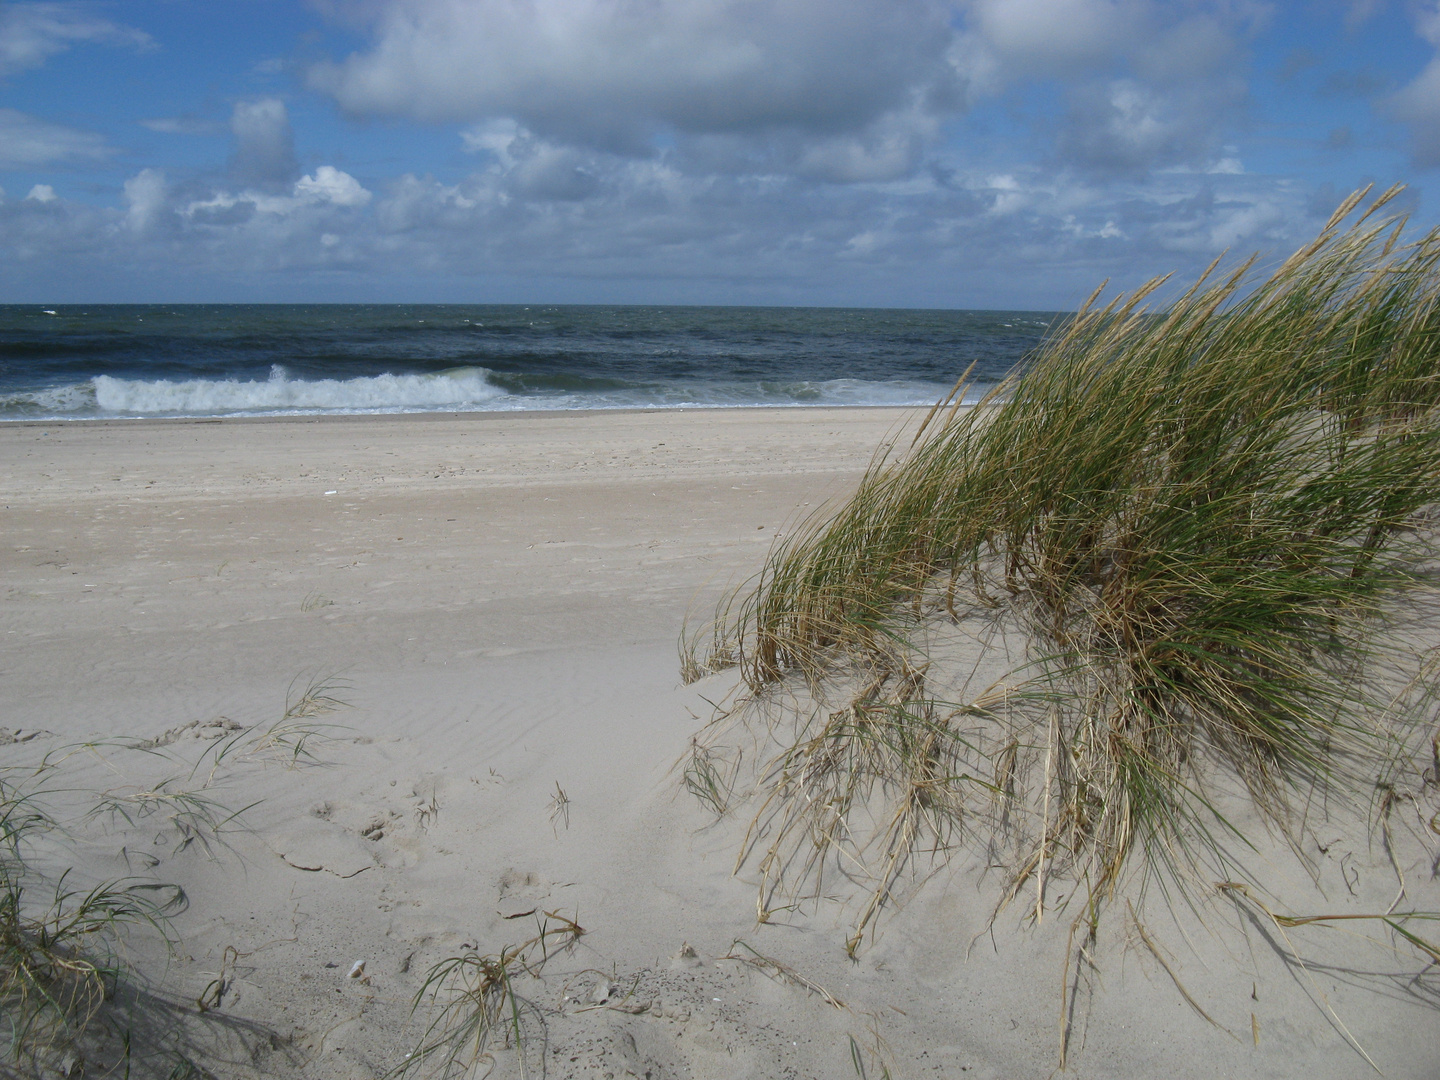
913,153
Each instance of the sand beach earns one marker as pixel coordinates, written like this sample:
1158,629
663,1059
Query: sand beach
497,599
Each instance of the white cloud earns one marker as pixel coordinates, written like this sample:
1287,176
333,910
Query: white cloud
32,33
493,136
1418,103
847,91
182,125
42,193
611,74
144,198
329,184
1148,84
641,230
747,150
26,143
1016,38
264,144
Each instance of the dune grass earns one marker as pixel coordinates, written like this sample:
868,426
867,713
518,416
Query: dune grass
1195,518
63,934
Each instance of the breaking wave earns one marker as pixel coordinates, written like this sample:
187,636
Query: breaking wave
471,389
461,388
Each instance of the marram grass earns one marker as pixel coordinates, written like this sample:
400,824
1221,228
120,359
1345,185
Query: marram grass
1197,519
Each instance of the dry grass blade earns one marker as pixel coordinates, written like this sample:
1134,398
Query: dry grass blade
292,739
781,972
1154,949
1241,891
1392,919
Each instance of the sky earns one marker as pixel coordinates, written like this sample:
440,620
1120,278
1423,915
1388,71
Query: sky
874,153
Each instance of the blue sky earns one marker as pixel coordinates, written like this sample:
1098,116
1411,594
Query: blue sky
913,153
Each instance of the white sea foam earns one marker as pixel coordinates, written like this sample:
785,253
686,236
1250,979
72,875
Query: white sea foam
463,388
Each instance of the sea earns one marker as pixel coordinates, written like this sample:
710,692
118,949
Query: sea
77,362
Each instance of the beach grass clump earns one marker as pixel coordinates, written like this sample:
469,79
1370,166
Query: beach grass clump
1196,518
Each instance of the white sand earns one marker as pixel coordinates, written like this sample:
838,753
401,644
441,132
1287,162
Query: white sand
503,595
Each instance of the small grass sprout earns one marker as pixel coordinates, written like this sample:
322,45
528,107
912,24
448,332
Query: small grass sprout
559,809
473,997
703,778
293,738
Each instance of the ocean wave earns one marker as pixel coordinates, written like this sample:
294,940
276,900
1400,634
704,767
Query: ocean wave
69,400
462,388
469,389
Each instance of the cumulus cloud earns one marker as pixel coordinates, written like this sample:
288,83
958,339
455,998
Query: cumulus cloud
610,74
844,91
264,144
32,33
26,143
769,151
329,184
642,230
328,189
1007,40
1146,84
1126,126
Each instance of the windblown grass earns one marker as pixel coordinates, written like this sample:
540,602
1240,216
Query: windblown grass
1196,518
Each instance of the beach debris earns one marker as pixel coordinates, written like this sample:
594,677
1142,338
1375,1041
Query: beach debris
21,735
378,826
686,958
357,969
603,991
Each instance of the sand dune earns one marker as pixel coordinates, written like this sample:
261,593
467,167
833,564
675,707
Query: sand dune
500,597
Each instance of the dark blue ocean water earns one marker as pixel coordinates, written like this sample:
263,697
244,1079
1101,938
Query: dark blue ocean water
267,359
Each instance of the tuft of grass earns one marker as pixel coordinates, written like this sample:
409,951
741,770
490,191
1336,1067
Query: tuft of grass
703,778
1197,518
195,817
293,738
473,998
61,945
